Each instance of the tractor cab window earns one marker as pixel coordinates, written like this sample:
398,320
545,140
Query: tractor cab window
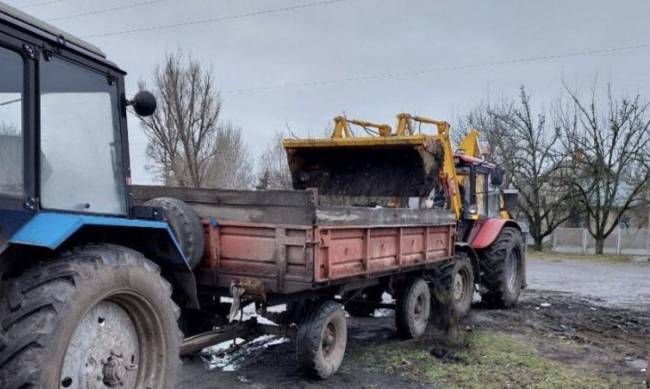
81,162
494,201
481,193
11,129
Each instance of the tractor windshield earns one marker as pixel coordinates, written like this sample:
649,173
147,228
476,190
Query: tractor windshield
81,162
11,140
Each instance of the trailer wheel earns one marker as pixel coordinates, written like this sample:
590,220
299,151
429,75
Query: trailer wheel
98,316
321,339
454,290
186,226
413,309
502,269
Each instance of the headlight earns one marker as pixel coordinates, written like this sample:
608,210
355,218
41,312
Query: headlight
473,209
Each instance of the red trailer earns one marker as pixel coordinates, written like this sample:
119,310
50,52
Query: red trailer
284,247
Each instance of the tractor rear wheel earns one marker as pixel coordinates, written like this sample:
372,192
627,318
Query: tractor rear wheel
322,338
98,316
502,269
413,309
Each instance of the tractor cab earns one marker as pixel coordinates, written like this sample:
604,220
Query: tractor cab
479,188
63,133
479,185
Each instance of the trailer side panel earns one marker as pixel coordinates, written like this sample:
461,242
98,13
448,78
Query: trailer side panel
367,251
290,258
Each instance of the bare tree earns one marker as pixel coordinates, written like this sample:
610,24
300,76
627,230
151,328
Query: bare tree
273,168
183,131
610,164
536,157
527,147
496,137
231,165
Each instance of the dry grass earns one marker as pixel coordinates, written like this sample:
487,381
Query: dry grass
485,360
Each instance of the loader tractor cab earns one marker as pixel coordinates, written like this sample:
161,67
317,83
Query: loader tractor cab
85,276
479,187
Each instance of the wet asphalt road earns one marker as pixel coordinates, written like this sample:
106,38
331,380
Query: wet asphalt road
613,284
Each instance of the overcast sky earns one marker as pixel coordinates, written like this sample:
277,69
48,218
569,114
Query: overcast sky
359,38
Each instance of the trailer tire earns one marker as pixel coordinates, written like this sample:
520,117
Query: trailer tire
186,226
502,269
413,309
321,339
100,312
453,292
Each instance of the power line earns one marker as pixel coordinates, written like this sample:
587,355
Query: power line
218,19
105,10
420,72
42,3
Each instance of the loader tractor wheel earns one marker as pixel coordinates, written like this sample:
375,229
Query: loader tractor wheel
186,226
413,309
364,304
453,292
321,339
95,317
502,269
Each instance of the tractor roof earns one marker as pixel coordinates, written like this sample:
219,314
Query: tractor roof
43,30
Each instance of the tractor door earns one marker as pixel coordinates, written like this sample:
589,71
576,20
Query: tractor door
480,192
17,203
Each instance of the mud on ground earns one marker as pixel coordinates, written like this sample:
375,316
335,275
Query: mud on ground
549,340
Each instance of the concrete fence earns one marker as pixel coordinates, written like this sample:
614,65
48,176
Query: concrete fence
623,241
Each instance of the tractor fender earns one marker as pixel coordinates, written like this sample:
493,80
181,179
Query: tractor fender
154,239
473,257
485,232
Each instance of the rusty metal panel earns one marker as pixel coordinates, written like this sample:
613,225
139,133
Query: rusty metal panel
285,257
277,254
362,251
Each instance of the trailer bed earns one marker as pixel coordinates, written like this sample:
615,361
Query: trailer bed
284,242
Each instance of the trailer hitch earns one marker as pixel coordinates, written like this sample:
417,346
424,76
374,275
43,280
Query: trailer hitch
237,291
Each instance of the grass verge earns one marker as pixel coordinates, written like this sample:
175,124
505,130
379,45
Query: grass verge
483,360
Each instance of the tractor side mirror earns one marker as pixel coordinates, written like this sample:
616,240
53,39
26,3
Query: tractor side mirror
497,176
144,103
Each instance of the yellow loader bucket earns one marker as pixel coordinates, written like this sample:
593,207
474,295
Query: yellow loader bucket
395,166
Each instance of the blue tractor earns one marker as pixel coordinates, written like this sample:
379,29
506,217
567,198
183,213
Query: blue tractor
86,278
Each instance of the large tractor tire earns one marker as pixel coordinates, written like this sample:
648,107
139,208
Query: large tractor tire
453,291
321,339
96,317
502,269
413,309
186,226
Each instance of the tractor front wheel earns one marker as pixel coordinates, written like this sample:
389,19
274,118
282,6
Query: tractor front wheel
502,268
98,316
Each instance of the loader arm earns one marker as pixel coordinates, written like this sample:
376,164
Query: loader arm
448,173
342,127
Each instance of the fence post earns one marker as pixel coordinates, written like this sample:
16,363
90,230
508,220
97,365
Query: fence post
584,240
618,241
554,245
